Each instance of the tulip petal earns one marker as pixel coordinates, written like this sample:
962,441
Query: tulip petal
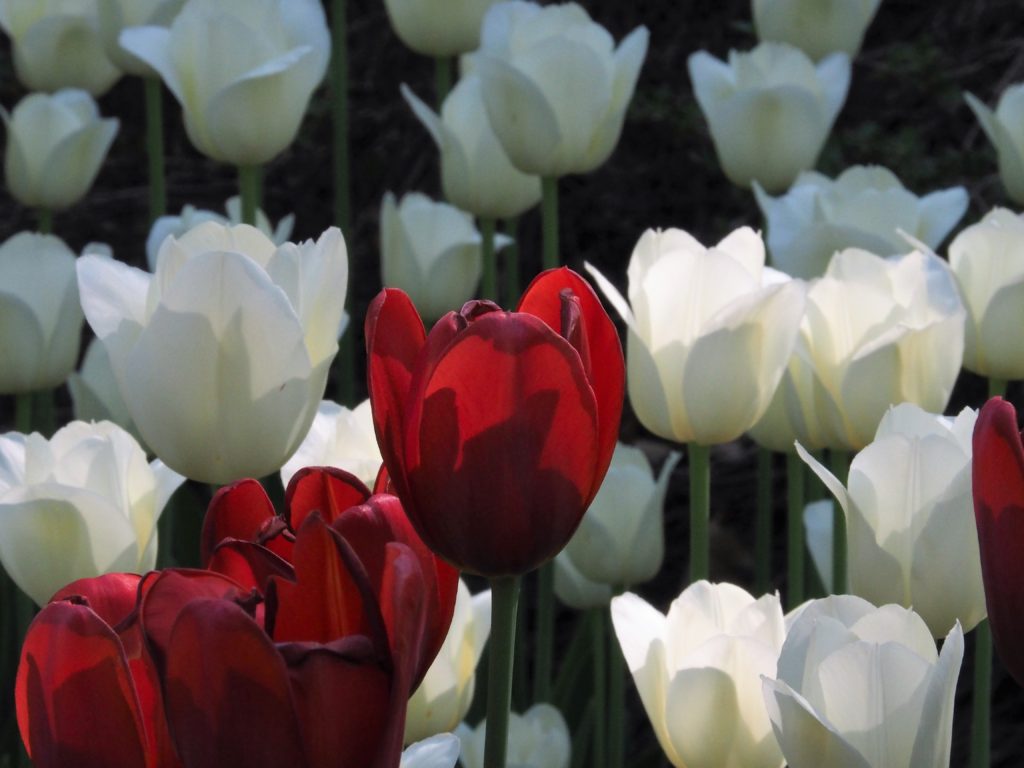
327,490
940,212
74,163
932,745
237,511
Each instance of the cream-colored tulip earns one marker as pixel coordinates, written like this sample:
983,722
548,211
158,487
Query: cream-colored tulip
539,738
817,27
55,147
115,16
769,110
988,261
863,687
82,504
863,207
439,28
441,751
576,590
57,44
242,70
698,671
40,313
94,391
555,86
339,437
222,355
1005,129
476,174
444,696
709,332
909,513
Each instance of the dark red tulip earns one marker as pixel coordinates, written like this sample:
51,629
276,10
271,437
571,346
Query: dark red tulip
86,693
497,428
998,474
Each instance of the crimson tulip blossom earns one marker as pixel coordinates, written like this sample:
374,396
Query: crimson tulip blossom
497,428
998,476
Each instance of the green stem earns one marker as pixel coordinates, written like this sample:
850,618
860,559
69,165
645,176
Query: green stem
549,220
581,736
996,387
155,147
489,286
700,508
763,534
520,666
575,660
839,462
504,598
795,529
599,638
249,188
616,704
511,256
545,632
982,703
23,412
45,221
442,79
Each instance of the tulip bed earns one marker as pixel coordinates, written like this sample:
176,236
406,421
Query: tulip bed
323,589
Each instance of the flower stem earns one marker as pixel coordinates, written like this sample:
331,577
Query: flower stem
549,219
23,412
616,704
763,534
442,79
249,188
545,632
996,387
982,703
504,599
599,637
45,216
489,286
839,462
155,147
700,507
795,529
511,256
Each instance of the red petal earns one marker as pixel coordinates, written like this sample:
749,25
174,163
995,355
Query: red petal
111,596
327,490
249,564
75,699
998,476
502,448
237,511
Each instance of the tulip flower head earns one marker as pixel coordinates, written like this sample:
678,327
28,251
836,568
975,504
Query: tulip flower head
114,16
55,147
438,28
1005,129
998,484
769,110
242,70
698,671
863,207
94,391
988,261
222,355
539,738
817,27
339,437
497,427
555,86
910,520
864,686
709,333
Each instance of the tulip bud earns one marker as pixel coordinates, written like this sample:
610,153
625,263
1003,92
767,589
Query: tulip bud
42,316
339,437
988,261
555,86
1005,129
55,147
859,685
769,110
864,207
57,44
82,504
538,738
222,355
476,174
242,70
441,751
709,333
431,251
705,659
438,28
815,27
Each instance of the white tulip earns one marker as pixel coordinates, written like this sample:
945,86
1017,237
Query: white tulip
242,70
710,331
79,505
55,147
863,687
698,671
769,110
576,590
444,696
1005,129
863,207
555,86
57,44
339,437
988,261
441,751
909,513
40,313
439,28
114,16
539,738
94,391
222,355
817,27
476,174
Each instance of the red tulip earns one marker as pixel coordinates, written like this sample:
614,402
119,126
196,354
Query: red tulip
86,692
998,473
498,427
